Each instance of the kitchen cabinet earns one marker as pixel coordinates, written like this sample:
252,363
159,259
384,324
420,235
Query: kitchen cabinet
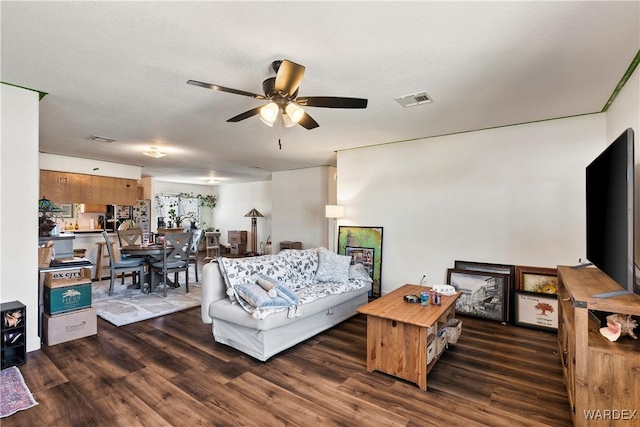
95,208
66,187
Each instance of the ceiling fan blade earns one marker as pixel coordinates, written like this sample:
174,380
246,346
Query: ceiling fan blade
225,89
288,77
331,102
307,122
246,114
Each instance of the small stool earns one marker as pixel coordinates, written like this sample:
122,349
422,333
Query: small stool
102,253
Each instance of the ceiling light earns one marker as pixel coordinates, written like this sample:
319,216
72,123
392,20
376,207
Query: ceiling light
101,139
154,152
294,112
288,123
270,124
270,112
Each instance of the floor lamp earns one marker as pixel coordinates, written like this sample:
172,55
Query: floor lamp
334,212
253,214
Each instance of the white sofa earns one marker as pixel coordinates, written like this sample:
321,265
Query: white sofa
328,294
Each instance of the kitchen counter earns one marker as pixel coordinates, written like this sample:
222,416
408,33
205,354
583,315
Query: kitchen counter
89,240
95,231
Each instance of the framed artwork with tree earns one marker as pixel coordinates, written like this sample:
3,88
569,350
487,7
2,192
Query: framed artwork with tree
537,311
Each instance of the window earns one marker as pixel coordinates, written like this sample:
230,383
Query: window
179,209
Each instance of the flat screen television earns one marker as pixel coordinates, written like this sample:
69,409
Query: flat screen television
611,223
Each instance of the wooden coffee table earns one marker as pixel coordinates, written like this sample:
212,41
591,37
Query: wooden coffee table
398,333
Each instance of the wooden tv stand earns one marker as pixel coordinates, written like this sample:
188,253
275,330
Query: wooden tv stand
602,377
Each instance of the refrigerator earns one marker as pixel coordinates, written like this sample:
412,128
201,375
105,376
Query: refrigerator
140,213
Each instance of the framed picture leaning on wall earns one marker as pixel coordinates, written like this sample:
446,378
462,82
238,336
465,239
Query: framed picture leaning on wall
506,269
484,294
537,310
364,243
542,280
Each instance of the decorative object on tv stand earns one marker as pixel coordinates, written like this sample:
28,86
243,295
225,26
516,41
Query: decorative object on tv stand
254,214
333,212
45,223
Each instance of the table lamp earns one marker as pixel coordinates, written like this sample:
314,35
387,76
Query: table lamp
45,224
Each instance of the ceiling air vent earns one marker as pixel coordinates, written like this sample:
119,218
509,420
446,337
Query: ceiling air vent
101,139
414,99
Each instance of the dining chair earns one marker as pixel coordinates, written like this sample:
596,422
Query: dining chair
131,236
193,253
175,258
133,265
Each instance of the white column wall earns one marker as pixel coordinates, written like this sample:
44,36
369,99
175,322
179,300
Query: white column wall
19,185
509,195
299,199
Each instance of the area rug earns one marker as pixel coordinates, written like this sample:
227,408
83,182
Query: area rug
128,306
14,394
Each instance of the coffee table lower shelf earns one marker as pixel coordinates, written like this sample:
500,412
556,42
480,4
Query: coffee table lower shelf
400,335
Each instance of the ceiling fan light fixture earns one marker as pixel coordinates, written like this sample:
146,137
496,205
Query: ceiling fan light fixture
269,113
154,152
270,124
286,120
294,111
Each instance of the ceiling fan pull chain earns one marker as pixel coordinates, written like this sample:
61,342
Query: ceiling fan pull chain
280,132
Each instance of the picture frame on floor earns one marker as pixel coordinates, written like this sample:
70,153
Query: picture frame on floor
537,279
369,238
507,269
484,294
536,310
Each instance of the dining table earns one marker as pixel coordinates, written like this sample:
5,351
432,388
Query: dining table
151,253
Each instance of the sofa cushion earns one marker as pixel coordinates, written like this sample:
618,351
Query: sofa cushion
332,267
257,297
359,271
267,283
302,265
239,270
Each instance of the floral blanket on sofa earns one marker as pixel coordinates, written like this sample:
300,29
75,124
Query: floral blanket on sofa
297,277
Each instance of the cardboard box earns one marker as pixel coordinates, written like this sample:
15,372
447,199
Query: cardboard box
70,326
238,249
237,237
67,291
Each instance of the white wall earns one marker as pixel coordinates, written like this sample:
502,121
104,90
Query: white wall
622,114
510,195
19,186
235,200
625,110
299,199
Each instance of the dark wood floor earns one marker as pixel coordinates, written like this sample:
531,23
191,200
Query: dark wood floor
168,371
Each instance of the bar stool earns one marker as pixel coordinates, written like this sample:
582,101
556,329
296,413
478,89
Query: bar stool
102,254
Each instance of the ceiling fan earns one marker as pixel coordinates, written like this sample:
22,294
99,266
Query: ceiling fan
282,92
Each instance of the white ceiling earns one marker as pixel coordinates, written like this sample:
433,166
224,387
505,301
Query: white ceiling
119,70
